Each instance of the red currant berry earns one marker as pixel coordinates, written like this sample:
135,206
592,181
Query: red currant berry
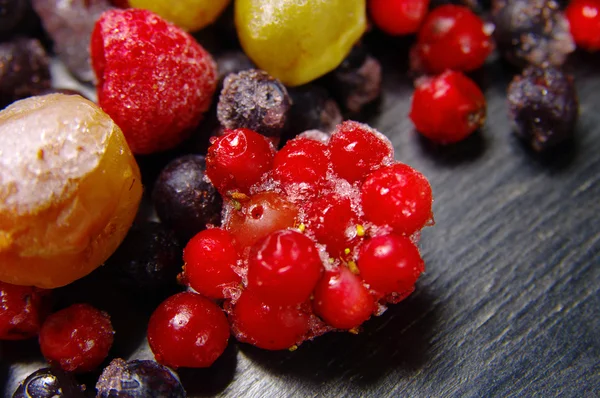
390,264
210,258
22,311
301,161
238,159
356,150
398,17
398,196
584,18
270,327
77,338
452,37
342,300
188,330
448,107
264,213
333,222
284,267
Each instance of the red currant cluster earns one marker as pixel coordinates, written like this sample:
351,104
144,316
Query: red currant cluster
317,236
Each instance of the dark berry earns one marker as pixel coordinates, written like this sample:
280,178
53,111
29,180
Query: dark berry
232,62
271,327
532,32
447,108
283,268
77,338
188,330
312,109
22,311
584,20
238,159
452,37
543,106
49,383
24,70
357,149
138,379
149,258
210,259
398,196
254,100
302,163
342,300
390,264
184,200
479,6
398,17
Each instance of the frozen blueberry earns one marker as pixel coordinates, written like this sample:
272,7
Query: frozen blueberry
184,200
543,105
48,383
254,100
138,379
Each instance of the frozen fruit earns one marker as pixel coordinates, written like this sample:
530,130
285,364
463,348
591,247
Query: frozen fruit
69,190
313,108
70,23
280,37
451,37
447,108
49,383
543,106
188,330
154,79
210,261
301,163
532,32
232,62
398,17
24,70
190,15
138,379
254,100
22,311
77,338
584,21
184,200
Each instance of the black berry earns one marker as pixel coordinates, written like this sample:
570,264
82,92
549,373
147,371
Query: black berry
48,383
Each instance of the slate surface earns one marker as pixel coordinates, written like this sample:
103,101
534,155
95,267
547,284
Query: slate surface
509,305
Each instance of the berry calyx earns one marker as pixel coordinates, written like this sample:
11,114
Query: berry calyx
584,20
22,311
398,17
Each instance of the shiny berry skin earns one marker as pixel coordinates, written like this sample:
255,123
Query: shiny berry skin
584,19
76,338
390,264
262,214
301,161
238,159
210,258
341,299
447,108
333,221
451,37
398,17
49,383
22,311
356,150
284,267
188,330
398,196
270,327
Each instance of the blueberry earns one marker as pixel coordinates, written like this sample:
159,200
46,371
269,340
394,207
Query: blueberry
137,378
48,383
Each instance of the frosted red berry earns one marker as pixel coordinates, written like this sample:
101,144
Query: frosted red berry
22,311
284,267
398,196
447,108
154,79
390,264
356,150
451,37
584,19
188,330
77,338
271,327
237,160
301,161
210,259
398,17
341,299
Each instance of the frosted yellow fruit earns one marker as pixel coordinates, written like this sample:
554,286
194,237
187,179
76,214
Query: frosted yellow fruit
190,15
69,190
298,41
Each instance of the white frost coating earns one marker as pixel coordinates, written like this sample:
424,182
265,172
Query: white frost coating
47,144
